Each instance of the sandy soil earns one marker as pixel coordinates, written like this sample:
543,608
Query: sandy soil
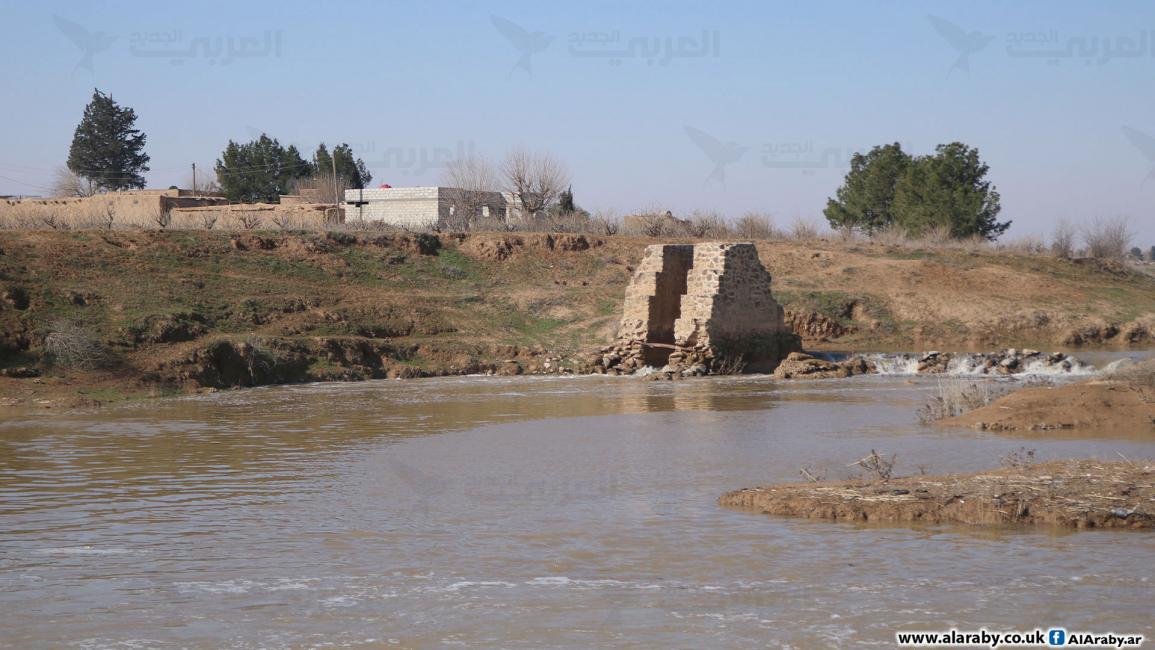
1074,494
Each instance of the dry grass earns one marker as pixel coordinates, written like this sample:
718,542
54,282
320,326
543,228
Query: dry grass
955,396
1137,375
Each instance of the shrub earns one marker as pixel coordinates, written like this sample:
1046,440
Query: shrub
1108,238
1063,241
707,225
755,225
957,396
70,345
802,230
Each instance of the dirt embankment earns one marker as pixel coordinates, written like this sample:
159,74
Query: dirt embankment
181,310
1119,402
1074,494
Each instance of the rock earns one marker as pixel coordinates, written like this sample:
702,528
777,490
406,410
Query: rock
21,372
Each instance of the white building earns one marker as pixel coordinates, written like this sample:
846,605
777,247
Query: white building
425,207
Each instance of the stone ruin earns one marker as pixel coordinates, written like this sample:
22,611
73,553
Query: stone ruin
696,309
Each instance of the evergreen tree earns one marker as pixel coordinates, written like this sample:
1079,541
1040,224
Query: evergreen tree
351,171
322,161
259,171
865,200
565,201
949,189
107,149
351,168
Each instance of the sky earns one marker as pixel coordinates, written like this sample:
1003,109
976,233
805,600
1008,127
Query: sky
725,107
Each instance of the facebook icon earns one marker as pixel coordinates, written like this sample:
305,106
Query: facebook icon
1056,636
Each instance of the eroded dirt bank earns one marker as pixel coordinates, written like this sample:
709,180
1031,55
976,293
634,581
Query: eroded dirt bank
189,310
1074,494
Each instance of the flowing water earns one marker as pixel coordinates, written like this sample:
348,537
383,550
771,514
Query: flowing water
520,512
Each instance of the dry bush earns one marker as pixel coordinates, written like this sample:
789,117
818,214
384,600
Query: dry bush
803,230
606,223
935,237
65,183
707,225
1028,245
755,225
891,235
653,224
248,220
209,219
847,234
1063,240
1108,238
880,466
493,224
956,396
1138,375
72,346
161,218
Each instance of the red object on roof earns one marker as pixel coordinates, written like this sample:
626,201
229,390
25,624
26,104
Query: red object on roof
385,186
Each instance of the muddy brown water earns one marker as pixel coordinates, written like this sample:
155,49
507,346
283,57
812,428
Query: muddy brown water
519,512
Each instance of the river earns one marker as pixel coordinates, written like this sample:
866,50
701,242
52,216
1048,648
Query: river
520,512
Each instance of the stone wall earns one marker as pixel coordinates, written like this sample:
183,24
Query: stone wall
705,305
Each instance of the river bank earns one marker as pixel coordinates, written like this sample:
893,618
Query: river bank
172,312
1071,494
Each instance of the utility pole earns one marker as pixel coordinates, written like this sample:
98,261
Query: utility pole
194,188
336,201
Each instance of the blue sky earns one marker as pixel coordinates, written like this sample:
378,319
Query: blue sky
781,93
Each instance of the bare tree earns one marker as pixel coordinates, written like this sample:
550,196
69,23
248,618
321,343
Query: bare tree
209,219
535,179
66,184
205,181
471,178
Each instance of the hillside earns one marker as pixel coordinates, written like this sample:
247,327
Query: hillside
186,309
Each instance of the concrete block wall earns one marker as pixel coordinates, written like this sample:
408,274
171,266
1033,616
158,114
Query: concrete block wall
414,207
410,207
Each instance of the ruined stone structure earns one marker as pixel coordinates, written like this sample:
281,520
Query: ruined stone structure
702,308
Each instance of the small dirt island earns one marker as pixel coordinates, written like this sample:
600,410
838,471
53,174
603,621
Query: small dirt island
1073,494
1121,401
